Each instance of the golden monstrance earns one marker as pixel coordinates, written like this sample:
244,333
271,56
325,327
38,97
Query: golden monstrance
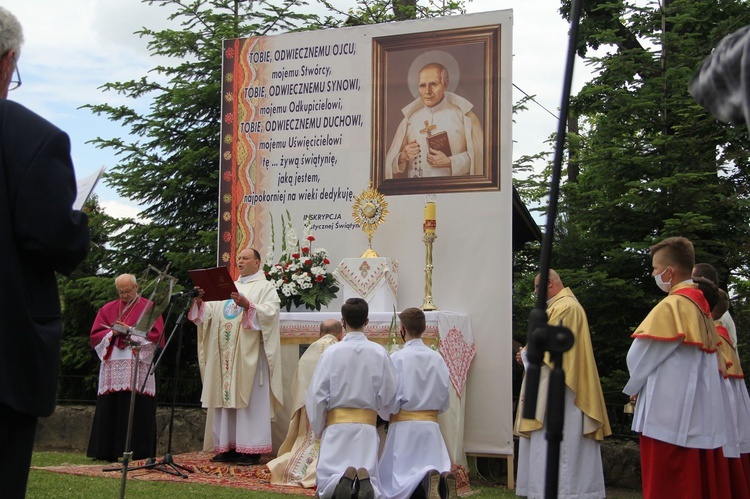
369,211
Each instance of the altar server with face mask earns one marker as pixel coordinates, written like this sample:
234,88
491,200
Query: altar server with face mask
674,379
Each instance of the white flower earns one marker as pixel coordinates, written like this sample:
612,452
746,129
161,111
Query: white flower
278,283
294,267
289,289
301,279
316,271
321,252
291,237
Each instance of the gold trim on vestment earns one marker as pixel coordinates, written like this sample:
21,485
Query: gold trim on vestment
349,415
403,415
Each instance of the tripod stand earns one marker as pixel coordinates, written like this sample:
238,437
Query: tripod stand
167,464
128,454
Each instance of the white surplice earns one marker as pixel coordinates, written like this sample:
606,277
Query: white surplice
412,448
742,411
679,394
354,373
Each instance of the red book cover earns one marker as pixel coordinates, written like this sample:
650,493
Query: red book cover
215,282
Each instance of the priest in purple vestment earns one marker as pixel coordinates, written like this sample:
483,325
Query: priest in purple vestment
117,355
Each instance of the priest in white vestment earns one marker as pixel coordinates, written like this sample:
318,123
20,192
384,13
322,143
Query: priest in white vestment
239,358
298,455
436,111
586,422
415,454
353,381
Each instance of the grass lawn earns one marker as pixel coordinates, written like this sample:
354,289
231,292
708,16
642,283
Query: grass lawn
45,484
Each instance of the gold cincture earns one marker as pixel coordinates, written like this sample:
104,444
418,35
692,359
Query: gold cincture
350,415
403,415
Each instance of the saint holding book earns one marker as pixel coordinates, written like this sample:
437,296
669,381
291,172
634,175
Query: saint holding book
439,135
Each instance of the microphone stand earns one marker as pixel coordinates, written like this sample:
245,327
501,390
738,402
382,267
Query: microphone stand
127,454
541,336
167,464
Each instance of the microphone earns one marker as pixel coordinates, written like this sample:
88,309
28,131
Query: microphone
188,292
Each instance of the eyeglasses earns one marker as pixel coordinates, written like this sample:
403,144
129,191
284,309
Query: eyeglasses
15,83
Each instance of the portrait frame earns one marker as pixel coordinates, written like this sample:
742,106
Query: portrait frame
476,52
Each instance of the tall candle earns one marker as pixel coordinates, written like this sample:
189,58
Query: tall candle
429,215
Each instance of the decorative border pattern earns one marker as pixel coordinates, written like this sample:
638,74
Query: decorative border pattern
364,276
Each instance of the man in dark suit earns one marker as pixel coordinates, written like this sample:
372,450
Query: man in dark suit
39,234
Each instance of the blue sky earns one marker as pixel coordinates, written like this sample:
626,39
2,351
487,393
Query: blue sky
74,47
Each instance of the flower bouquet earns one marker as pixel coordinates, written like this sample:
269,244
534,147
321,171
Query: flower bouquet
300,276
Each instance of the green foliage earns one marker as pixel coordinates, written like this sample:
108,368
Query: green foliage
81,295
383,11
652,162
169,163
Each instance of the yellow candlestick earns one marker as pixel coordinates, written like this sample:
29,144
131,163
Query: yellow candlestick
429,217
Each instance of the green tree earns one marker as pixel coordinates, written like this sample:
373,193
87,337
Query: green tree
81,294
169,164
652,163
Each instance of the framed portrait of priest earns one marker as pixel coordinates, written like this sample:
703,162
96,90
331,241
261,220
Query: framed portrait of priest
436,111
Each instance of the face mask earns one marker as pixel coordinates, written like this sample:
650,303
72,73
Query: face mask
664,286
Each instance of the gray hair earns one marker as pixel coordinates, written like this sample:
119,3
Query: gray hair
11,33
126,277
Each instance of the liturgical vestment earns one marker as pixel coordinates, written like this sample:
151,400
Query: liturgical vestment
586,422
412,448
679,412
355,373
239,358
298,455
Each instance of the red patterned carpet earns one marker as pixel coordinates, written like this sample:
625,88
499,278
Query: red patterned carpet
204,471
